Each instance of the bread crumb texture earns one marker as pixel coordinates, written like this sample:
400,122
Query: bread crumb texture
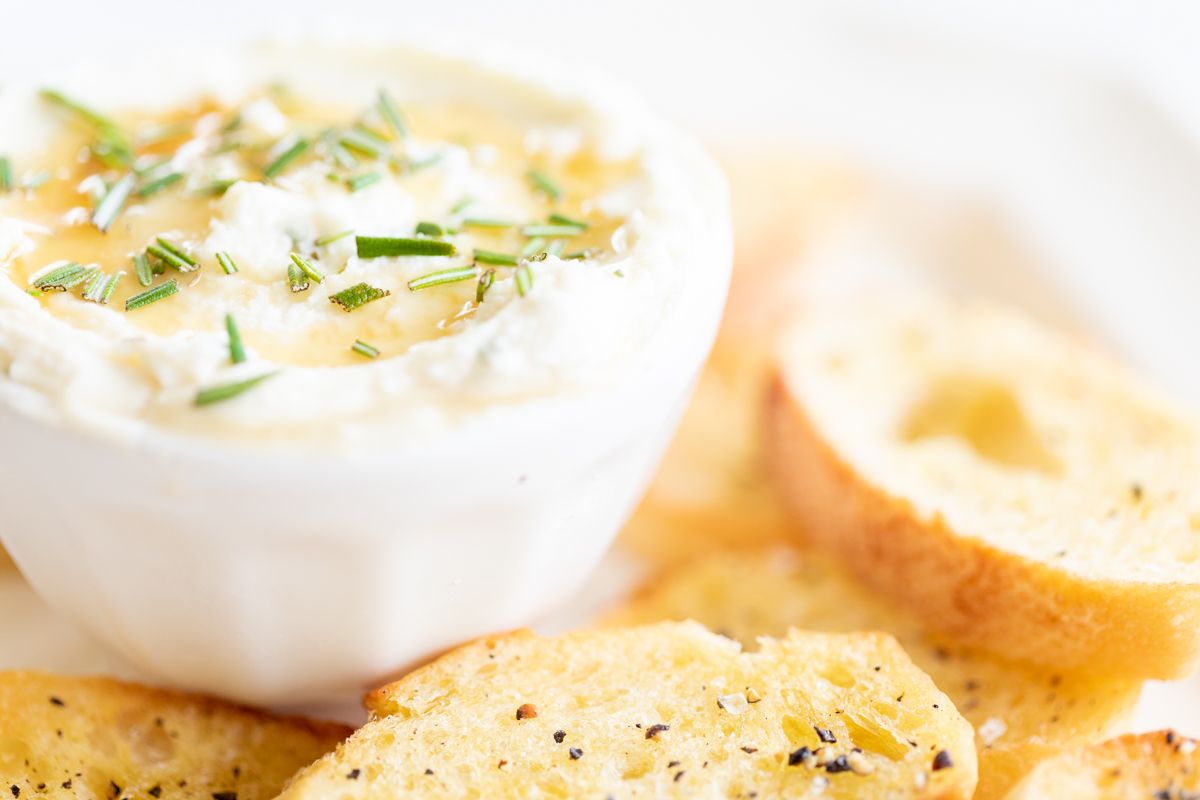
660,711
1163,765
71,737
1021,713
1012,486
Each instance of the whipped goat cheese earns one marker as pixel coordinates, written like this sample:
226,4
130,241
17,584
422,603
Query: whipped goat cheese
258,264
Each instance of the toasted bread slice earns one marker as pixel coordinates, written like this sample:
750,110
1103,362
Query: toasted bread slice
663,711
65,737
1010,486
1148,766
1022,714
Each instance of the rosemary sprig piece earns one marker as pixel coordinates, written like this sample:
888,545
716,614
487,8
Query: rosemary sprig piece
228,391
523,278
357,296
391,114
6,176
177,251
93,286
61,278
114,146
158,184
113,201
485,282
484,222
100,288
160,292
499,259
228,266
580,255
110,287
388,247
216,188
297,280
284,159
364,349
88,115
307,267
237,350
363,143
360,182
452,275
533,247
142,269
461,205
542,183
333,237
563,219
429,229
552,231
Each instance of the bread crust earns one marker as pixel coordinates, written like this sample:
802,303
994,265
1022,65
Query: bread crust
1161,764
979,594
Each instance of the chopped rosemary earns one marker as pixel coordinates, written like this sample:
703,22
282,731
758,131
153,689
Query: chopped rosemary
364,143
480,222
297,280
158,184
284,159
541,181
227,263
391,114
359,182
429,229
160,292
580,255
237,351
94,286
179,253
532,247
556,247
78,109
62,277
461,205
563,219
333,237
357,296
229,390
110,287
307,268
485,283
364,349
142,269
101,287
216,188
500,259
552,231
110,206
6,176
523,278
452,275
114,147
388,247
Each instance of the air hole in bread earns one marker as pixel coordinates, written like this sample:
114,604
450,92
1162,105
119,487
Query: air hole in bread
985,415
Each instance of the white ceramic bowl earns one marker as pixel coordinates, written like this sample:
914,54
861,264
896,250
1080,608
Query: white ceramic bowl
278,577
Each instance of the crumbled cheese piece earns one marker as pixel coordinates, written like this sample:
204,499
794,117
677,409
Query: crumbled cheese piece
733,703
